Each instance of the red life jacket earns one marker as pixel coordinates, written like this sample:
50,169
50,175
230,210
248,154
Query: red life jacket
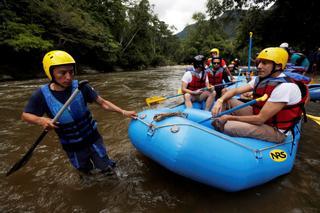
208,63
288,116
215,76
196,82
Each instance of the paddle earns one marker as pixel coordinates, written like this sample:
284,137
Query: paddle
249,55
158,99
28,155
314,118
228,83
263,98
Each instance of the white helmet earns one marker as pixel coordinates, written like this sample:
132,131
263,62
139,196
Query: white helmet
284,45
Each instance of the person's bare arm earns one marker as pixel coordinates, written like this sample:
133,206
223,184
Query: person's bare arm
229,73
228,95
109,106
45,122
185,90
268,111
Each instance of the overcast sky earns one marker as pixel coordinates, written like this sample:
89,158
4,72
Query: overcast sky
178,12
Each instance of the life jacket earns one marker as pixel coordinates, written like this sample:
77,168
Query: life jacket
197,82
298,77
294,68
209,62
288,116
215,76
76,129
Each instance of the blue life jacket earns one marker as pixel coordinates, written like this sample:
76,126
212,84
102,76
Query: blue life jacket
76,129
298,77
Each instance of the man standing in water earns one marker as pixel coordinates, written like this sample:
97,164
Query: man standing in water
76,129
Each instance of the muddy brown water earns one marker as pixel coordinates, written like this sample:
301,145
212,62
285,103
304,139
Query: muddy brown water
48,183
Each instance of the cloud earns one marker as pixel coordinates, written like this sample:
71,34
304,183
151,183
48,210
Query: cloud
177,12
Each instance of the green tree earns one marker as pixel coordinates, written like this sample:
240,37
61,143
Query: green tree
100,33
285,20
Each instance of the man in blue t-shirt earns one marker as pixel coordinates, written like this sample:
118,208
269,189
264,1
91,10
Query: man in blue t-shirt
299,59
76,128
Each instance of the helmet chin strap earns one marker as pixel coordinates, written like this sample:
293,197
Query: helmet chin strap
271,73
54,81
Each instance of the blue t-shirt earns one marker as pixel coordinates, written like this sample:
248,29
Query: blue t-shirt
37,104
304,62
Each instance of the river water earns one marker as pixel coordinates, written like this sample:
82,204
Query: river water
48,183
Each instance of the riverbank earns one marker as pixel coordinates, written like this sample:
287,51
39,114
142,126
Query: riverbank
10,73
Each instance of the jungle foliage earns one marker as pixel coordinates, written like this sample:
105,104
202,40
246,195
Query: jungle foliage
106,34
99,33
271,21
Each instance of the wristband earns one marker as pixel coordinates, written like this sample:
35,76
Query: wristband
220,100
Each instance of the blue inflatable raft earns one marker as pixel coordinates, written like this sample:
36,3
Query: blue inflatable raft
187,145
314,90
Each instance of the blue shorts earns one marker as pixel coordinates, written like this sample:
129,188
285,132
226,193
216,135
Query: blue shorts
94,156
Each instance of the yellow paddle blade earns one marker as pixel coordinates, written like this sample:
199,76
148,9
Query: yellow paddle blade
314,118
312,81
154,99
263,98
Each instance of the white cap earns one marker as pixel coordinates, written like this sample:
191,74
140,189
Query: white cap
284,45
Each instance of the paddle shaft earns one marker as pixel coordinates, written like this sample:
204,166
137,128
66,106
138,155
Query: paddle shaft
173,96
249,55
224,84
205,88
220,85
263,98
235,108
28,155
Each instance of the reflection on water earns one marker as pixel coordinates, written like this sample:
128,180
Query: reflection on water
48,183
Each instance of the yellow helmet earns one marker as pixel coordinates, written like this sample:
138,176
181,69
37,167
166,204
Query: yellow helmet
276,54
215,50
54,58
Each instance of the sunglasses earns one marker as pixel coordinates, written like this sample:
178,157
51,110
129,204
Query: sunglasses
215,62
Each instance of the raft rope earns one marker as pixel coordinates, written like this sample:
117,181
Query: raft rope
162,116
257,152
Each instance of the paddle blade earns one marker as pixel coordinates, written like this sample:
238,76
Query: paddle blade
314,118
19,164
312,81
27,156
154,99
263,98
